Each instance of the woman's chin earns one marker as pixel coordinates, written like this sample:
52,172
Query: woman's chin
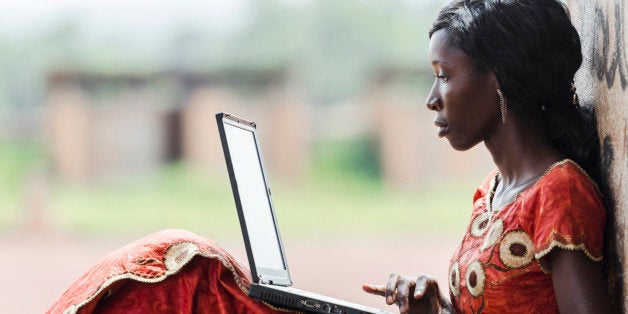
460,145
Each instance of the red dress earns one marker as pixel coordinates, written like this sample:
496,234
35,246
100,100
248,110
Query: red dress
171,271
499,266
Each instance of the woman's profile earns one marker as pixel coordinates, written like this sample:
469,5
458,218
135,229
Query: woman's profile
503,74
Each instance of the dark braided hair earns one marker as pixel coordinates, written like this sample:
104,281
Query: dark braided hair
534,52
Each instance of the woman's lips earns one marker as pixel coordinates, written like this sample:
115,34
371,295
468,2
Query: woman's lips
443,128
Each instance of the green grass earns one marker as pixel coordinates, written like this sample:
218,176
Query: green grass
175,198
172,198
341,195
374,211
16,161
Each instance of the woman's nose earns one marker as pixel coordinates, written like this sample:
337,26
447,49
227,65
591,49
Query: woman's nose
432,102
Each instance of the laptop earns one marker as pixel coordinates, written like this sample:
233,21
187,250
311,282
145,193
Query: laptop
271,278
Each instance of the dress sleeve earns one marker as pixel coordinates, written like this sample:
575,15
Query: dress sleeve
569,215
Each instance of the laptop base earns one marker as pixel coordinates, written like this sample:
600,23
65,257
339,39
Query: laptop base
295,299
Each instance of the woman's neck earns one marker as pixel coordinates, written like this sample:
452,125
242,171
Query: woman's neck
522,152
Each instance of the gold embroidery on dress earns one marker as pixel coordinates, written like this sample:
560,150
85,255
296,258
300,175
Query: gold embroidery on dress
511,274
572,247
494,233
454,278
480,224
516,249
475,279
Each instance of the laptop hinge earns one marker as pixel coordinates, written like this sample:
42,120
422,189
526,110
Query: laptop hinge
272,282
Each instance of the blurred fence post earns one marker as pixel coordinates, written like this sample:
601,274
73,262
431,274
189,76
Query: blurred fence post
68,128
287,131
398,129
201,142
36,198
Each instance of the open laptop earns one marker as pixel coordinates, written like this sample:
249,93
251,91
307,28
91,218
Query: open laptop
269,269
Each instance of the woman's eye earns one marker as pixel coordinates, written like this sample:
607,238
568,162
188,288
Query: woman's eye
443,78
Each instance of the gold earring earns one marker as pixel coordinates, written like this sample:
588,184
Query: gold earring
502,105
575,101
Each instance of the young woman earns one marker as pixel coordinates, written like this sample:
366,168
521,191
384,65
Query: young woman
504,77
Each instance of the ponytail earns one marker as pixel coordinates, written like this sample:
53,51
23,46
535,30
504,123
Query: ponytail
574,133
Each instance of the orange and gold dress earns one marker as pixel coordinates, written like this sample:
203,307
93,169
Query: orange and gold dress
499,266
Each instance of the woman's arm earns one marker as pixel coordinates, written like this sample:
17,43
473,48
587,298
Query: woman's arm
579,285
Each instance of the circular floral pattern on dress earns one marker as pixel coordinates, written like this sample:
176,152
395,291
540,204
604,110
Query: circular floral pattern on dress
494,232
454,279
475,279
479,225
516,249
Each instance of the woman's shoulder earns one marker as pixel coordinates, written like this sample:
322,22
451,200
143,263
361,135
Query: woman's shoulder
564,189
566,177
564,209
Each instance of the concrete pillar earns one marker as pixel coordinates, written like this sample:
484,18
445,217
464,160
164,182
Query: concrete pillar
398,129
201,143
602,82
287,134
68,132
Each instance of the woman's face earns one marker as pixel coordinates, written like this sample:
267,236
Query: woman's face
464,98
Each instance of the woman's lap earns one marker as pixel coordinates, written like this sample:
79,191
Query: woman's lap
171,271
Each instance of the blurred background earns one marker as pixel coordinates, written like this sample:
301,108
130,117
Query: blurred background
107,134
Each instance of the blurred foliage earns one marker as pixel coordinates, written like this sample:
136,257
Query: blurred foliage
334,46
352,159
16,161
330,47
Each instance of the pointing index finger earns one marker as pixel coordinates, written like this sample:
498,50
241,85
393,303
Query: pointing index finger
374,289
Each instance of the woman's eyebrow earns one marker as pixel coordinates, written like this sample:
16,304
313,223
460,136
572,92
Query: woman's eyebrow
437,61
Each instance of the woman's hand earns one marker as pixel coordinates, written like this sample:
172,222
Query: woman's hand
412,295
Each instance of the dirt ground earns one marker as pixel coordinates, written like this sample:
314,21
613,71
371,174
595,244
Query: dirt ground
38,266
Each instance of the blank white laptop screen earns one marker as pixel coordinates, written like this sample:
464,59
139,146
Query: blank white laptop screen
254,199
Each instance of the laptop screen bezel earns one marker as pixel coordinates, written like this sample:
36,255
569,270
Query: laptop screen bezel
260,274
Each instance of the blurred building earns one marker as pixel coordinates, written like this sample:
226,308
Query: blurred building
111,125
102,126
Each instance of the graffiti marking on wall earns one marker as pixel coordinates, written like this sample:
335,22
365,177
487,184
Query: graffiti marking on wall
610,57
